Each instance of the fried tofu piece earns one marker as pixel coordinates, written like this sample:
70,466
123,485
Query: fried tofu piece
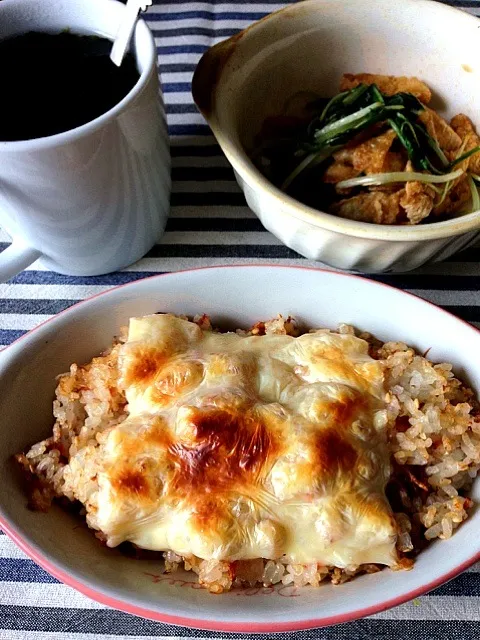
345,154
376,207
339,171
439,129
456,200
463,126
394,161
418,199
389,85
371,156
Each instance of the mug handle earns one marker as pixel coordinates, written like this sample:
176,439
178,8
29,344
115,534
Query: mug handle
16,258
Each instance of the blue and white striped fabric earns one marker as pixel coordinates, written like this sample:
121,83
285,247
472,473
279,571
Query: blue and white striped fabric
210,224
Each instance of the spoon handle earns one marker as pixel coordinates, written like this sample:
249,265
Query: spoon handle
125,31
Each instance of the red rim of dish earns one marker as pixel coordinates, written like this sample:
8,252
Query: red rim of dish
212,625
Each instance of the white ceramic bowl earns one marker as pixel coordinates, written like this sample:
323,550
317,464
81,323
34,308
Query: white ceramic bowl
235,296
307,47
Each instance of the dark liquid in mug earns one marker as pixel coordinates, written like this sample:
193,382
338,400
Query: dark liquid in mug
50,83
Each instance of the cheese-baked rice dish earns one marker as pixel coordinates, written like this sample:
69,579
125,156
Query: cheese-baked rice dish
261,456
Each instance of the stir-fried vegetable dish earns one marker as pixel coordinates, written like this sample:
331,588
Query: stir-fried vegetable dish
375,152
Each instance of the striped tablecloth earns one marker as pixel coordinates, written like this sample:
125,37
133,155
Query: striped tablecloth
210,224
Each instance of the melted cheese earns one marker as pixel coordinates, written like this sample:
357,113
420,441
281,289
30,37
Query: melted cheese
239,447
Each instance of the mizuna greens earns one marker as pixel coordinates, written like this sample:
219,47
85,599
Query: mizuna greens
377,179
296,160
350,112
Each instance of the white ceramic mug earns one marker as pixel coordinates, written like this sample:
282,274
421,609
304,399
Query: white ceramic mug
93,199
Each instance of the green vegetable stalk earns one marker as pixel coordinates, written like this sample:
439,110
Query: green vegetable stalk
351,112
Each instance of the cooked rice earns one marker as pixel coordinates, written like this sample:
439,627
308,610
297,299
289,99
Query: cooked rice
434,439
